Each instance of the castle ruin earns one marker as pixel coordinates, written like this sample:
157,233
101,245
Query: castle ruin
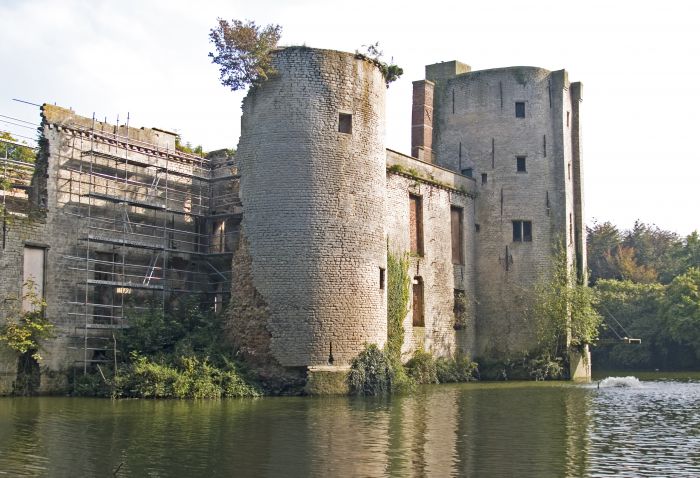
290,237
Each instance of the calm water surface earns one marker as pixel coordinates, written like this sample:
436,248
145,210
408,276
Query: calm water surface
648,428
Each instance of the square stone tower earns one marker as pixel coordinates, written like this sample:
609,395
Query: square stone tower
516,131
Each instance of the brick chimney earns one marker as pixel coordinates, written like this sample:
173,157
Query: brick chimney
422,120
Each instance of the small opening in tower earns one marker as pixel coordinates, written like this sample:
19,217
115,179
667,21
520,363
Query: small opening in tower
468,172
520,164
345,123
484,178
519,109
382,278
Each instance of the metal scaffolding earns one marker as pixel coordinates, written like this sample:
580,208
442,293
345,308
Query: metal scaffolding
150,230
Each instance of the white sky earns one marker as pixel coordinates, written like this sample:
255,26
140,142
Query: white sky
638,61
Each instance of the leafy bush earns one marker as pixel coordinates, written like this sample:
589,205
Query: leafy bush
422,367
188,377
544,367
24,330
457,369
371,373
390,71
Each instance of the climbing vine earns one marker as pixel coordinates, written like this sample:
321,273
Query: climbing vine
397,303
564,308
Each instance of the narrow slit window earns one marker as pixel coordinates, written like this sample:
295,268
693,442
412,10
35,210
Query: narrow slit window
520,164
418,315
382,278
484,178
519,109
544,145
567,118
345,123
456,224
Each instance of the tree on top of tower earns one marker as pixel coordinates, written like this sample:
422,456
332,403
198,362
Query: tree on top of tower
243,51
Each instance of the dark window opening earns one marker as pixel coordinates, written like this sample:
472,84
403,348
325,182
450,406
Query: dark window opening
460,305
571,228
522,231
457,236
569,167
418,316
382,278
520,164
416,224
468,172
477,227
567,118
519,109
484,178
345,123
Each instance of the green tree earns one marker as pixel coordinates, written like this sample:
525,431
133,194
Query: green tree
243,51
634,310
17,152
601,241
690,253
563,310
656,249
682,309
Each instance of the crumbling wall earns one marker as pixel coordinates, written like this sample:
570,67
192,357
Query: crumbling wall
440,190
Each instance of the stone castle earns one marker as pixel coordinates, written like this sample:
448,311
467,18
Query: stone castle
291,235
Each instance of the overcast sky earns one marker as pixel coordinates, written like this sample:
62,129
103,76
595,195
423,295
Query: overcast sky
638,61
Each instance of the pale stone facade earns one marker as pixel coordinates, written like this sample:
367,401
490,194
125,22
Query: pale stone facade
296,228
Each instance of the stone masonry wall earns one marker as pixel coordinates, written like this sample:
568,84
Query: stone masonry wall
314,204
476,128
439,190
90,181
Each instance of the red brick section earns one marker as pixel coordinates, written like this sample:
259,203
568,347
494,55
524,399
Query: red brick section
422,120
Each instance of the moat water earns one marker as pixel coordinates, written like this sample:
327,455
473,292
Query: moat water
625,427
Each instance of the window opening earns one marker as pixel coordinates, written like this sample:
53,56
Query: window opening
382,278
418,315
522,231
520,164
519,109
484,178
218,239
33,277
468,172
456,220
345,123
571,228
416,224
544,145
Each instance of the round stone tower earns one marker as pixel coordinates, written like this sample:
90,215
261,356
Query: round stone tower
313,176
